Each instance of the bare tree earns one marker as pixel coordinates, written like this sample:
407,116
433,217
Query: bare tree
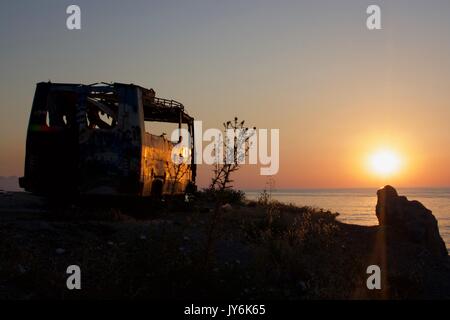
235,144
176,174
177,168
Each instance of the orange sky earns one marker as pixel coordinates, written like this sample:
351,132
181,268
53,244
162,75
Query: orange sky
336,90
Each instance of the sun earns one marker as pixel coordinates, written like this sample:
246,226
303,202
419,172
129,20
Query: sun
385,162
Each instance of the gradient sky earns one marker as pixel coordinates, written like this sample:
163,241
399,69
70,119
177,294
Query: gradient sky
336,90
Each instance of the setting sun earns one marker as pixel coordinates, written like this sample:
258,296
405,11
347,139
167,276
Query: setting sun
385,162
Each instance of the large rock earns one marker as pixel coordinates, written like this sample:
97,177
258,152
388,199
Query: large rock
410,218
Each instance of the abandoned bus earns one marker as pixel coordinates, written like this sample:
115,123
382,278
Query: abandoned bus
92,140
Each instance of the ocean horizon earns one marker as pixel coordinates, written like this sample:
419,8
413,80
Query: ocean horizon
354,205
357,205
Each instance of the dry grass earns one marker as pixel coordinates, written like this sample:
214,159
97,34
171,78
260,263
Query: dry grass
253,250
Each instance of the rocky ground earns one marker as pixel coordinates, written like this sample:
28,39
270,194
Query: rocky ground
242,250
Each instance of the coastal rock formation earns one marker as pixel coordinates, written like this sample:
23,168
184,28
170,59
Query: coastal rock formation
409,218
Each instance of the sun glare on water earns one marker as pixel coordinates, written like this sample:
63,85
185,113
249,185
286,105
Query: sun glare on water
385,162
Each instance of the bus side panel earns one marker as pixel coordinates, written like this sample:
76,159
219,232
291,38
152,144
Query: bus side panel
162,176
111,160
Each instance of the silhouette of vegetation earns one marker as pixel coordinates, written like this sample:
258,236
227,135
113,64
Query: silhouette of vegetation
235,150
249,250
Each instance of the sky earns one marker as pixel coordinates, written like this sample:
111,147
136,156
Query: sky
336,90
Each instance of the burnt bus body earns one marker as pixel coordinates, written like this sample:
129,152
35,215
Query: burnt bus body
91,140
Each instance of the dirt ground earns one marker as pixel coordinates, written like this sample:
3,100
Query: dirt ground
239,251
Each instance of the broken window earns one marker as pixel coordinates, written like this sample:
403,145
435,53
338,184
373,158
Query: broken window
163,129
101,111
61,109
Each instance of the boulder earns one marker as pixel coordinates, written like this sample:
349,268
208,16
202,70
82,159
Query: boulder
411,219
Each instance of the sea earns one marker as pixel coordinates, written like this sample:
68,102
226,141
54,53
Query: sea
357,206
